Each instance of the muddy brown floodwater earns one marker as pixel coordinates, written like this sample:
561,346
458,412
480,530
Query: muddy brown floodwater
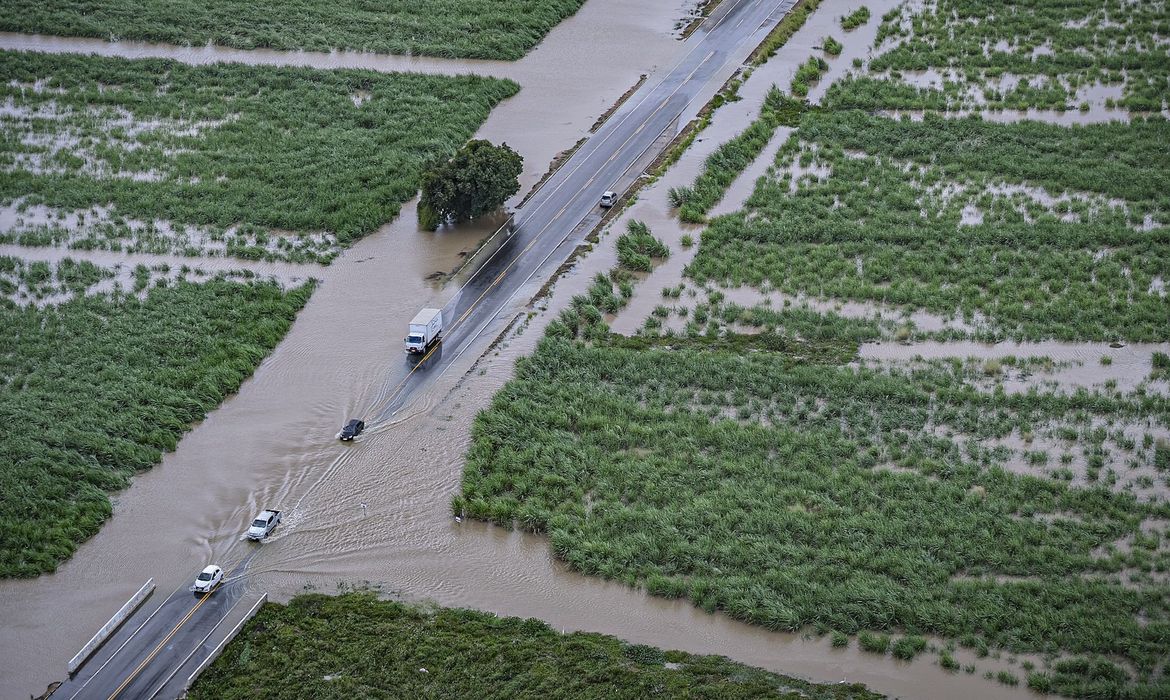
378,510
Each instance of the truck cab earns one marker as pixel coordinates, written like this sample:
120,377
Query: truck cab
424,331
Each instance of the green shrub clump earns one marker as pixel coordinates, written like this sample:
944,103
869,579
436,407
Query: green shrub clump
807,74
874,643
855,19
906,648
637,246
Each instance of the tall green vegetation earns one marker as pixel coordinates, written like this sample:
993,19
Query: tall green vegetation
637,246
475,181
279,148
808,74
855,19
1122,161
785,28
493,29
886,222
730,159
793,494
355,645
96,389
1053,48
22,281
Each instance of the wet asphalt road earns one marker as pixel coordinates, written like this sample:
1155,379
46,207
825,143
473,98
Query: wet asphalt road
152,654
549,227
161,644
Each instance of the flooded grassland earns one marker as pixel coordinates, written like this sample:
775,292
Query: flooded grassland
705,431
273,441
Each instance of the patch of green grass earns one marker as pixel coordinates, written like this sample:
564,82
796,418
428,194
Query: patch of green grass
729,160
22,281
874,643
1122,161
855,19
947,660
752,483
96,389
879,226
799,322
808,74
637,247
783,31
906,648
355,645
495,29
832,46
228,145
1053,48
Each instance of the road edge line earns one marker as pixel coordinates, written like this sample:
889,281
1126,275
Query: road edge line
220,647
102,635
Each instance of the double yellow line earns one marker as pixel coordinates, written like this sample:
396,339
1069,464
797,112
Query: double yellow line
150,657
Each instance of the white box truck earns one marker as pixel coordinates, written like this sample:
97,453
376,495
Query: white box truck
424,332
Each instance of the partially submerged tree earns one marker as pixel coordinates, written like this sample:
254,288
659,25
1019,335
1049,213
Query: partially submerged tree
476,181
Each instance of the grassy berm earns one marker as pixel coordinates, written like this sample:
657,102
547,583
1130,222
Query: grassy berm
354,646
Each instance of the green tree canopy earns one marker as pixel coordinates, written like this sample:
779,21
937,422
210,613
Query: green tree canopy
475,182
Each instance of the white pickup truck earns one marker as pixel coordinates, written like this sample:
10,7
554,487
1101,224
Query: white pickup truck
263,524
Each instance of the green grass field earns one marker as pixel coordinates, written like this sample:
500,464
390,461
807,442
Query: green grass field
1014,55
493,29
96,389
357,646
774,477
267,152
799,495
878,212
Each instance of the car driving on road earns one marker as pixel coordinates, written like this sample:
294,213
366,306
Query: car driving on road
263,524
208,579
608,198
352,429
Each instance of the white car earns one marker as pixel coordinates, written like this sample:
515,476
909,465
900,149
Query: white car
208,579
608,198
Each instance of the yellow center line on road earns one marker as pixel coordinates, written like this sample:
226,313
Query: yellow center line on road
157,649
